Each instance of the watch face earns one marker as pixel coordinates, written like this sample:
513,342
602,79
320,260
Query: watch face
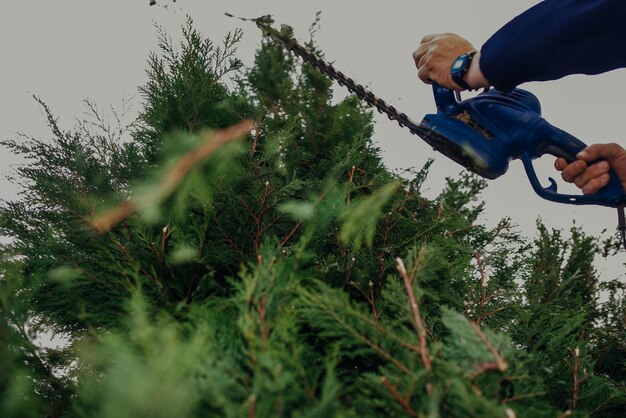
459,68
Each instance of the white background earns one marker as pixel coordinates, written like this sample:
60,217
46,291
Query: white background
69,50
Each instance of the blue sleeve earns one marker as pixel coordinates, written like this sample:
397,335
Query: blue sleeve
556,38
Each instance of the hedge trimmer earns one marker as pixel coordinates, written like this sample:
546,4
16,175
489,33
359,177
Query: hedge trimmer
483,133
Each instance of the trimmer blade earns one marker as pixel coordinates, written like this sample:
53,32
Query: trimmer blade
453,150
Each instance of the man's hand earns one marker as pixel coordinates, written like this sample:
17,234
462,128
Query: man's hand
435,56
591,178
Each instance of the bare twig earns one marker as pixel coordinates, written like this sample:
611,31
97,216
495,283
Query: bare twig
483,279
254,142
576,377
417,317
165,236
172,179
252,408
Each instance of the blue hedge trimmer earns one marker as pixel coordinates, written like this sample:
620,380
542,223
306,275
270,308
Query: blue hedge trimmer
483,133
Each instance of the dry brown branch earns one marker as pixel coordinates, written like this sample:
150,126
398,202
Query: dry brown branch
252,408
483,279
576,375
418,322
254,143
212,142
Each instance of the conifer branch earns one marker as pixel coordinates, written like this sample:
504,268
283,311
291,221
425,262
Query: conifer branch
483,279
369,296
383,330
523,396
212,142
255,141
350,177
381,256
231,243
343,250
499,364
252,408
91,276
397,396
489,314
164,237
343,323
132,260
417,317
602,405
484,298
576,375
290,234
259,218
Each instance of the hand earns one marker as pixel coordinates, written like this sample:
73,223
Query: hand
591,178
435,56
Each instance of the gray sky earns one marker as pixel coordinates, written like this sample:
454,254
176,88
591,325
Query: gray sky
66,51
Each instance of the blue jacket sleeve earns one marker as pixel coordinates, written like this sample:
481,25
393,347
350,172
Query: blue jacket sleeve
556,38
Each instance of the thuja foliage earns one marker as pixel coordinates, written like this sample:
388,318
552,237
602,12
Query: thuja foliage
288,274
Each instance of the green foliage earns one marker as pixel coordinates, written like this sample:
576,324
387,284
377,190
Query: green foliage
290,274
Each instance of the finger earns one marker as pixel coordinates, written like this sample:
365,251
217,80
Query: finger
594,185
560,164
428,38
419,54
592,172
422,61
595,151
573,170
424,74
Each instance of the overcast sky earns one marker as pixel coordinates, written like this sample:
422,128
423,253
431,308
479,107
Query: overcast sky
69,50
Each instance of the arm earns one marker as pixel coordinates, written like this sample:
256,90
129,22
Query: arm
548,41
553,39
556,38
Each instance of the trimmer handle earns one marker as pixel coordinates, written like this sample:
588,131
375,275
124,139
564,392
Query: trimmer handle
548,139
445,99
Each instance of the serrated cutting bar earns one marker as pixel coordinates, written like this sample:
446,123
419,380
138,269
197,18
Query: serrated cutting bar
361,92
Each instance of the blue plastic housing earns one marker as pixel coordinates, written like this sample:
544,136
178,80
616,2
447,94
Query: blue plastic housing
486,132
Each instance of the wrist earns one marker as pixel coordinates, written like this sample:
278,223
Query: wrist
474,76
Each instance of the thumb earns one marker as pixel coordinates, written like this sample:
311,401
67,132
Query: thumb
597,151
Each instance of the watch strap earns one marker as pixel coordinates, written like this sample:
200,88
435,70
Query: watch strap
459,74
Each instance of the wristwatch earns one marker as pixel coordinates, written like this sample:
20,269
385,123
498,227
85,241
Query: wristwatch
459,69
